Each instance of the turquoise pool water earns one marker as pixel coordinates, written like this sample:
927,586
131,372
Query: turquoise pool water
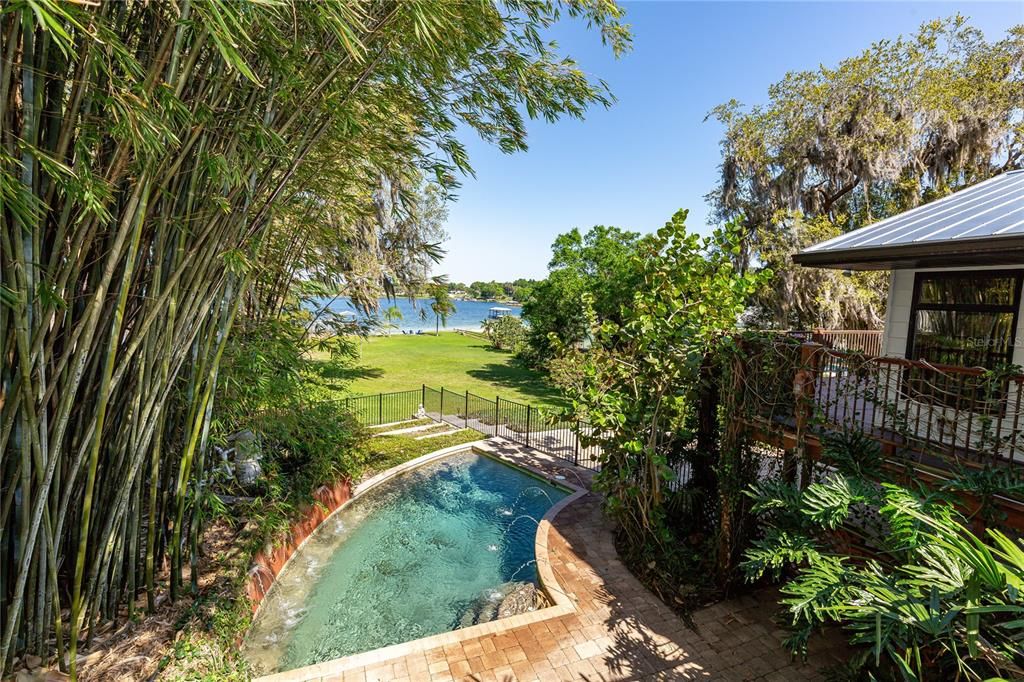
420,554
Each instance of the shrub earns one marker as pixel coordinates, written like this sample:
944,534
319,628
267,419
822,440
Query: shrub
308,445
271,385
506,333
638,382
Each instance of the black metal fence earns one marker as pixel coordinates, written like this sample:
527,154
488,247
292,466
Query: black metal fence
540,429
534,427
384,408
514,421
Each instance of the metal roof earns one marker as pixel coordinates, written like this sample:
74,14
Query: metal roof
986,218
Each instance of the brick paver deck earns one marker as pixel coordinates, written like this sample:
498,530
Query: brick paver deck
618,630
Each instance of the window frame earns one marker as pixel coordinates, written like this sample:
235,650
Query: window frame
916,305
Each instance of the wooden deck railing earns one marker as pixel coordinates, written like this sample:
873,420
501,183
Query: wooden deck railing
941,416
866,341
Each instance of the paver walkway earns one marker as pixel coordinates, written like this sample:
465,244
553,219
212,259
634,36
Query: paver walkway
620,631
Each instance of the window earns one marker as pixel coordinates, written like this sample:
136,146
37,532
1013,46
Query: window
965,318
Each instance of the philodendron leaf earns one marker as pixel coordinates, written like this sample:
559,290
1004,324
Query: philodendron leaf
973,620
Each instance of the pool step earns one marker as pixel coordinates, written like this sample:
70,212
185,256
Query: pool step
447,432
409,429
380,428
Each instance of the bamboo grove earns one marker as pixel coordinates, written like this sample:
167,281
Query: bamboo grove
161,161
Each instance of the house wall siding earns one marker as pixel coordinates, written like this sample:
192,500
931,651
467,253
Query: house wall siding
897,317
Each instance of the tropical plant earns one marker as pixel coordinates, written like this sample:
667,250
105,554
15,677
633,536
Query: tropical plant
441,305
923,597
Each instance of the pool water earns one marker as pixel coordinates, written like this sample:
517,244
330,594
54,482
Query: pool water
418,555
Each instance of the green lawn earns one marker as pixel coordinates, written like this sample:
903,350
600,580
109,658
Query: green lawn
459,363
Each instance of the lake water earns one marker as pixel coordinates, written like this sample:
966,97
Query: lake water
468,314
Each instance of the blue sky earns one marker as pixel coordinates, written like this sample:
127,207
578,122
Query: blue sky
652,153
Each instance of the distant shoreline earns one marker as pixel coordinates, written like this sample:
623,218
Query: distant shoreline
407,314
428,332
514,304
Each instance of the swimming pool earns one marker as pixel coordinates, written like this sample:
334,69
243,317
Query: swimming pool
428,551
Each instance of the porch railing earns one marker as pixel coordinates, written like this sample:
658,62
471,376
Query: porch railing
938,415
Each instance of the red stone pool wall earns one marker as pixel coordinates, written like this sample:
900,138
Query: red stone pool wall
269,562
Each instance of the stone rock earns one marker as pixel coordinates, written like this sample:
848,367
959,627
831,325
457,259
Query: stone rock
510,599
481,611
520,599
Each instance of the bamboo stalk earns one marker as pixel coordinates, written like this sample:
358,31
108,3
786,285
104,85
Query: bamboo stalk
146,143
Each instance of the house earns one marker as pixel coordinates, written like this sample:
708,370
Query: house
945,394
957,267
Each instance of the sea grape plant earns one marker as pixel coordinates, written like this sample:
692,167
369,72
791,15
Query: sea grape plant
637,383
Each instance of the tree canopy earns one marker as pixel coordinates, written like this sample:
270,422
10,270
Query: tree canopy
590,275
638,383
833,149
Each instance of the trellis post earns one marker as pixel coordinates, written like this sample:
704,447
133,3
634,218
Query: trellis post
803,391
707,424
733,433
576,445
